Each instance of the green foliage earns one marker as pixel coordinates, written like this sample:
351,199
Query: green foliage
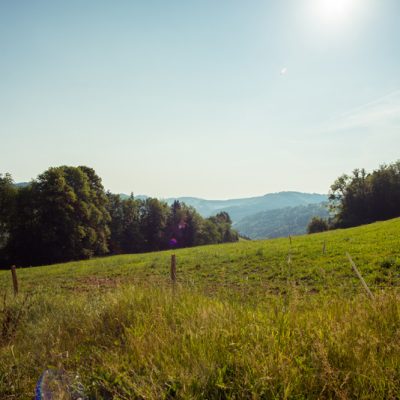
363,198
183,224
60,216
219,228
7,211
66,215
154,222
149,224
317,225
125,225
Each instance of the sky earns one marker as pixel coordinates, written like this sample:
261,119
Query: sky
214,99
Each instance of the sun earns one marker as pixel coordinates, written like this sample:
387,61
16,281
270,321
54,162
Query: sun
335,22
334,12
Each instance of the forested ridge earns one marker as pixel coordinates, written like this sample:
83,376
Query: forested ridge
363,197
65,214
280,222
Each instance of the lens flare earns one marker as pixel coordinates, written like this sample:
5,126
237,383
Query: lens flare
173,242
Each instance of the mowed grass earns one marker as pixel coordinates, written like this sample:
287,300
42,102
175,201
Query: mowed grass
256,319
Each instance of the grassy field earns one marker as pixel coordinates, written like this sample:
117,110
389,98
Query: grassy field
254,319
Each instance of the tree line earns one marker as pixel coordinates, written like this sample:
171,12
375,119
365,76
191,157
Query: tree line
362,198
65,214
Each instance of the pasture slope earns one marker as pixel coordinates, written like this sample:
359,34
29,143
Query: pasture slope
250,320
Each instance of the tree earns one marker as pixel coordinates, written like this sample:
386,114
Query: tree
190,234
176,223
62,217
8,194
364,198
223,218
125,225
385,192
317,224
223,224
153,223
132,240
208,232
116,224
66,215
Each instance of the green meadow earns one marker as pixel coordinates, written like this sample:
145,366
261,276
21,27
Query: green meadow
272,319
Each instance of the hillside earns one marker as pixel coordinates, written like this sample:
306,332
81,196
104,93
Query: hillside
21,184
281,222
247,320
263,261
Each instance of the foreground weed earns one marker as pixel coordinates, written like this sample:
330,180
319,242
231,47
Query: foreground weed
12,315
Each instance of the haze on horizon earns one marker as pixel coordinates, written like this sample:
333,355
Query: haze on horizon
214,100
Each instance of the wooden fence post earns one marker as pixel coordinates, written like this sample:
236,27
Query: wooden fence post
173,268
290,239
324,247
289,256
359,276
14,279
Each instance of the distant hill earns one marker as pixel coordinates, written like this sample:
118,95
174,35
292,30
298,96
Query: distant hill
280,222
241,208
127,196
21,184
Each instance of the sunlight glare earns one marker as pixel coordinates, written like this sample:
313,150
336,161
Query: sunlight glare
334,10
334,14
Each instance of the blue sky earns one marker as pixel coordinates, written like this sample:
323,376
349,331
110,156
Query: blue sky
210,99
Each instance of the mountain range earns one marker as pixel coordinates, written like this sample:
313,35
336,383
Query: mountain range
240,208
271,215
268,216
280,222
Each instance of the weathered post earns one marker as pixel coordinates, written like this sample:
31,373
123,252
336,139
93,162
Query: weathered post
14,279
173,269
324,247
359,276
290,239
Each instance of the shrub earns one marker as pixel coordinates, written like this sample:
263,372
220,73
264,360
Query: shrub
317,224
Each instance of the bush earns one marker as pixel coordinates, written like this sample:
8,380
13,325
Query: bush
317,224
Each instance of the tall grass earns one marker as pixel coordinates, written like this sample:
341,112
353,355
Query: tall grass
152,343
243,323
